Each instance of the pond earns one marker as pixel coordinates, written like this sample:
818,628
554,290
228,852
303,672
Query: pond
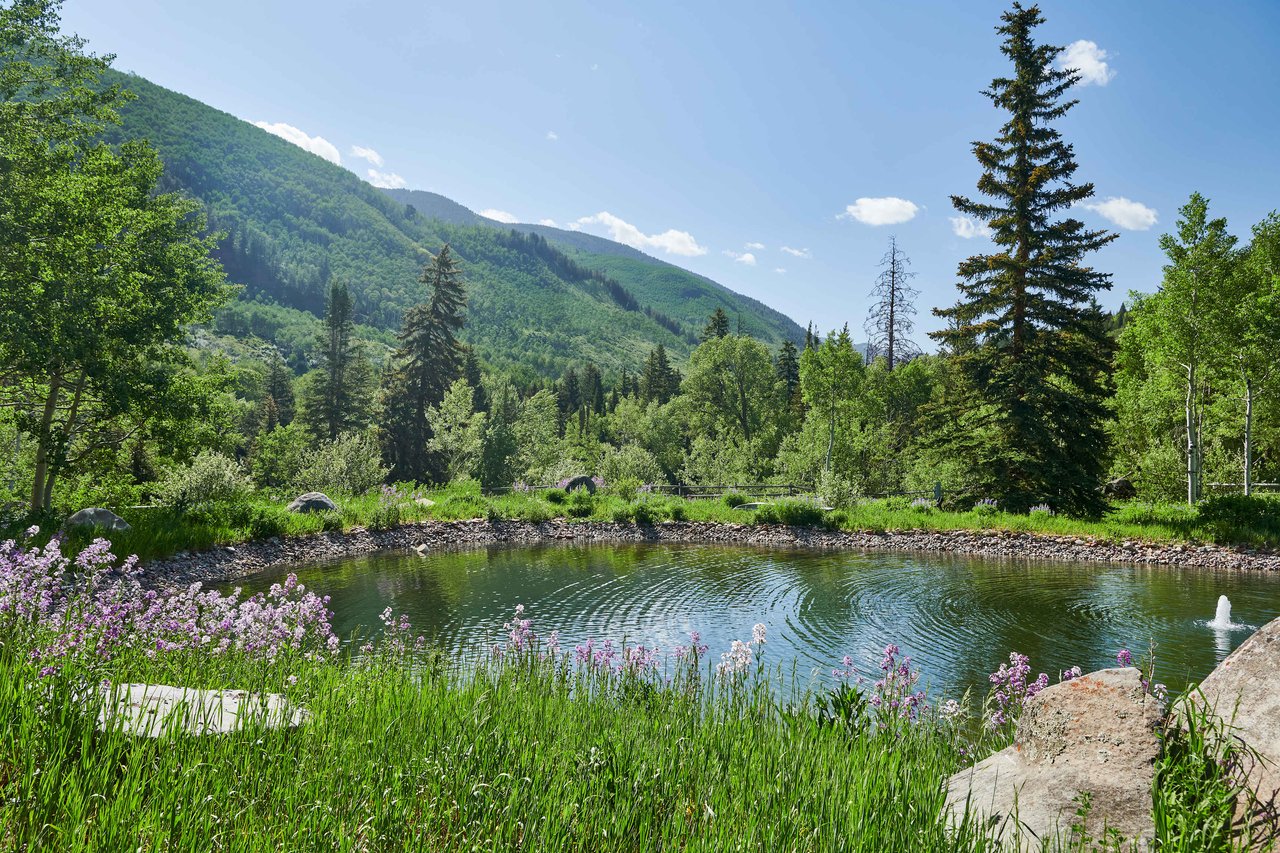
957,617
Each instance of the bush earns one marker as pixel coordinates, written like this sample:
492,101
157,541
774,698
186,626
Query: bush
645,513
1241,517
836,491
734,499
555,496
622,513
580,504
676,510
331,522
268,521
211,480
986,508
625,488
279,456
793,513
629,462
351,464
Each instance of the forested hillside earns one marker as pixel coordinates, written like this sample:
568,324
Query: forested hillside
294,221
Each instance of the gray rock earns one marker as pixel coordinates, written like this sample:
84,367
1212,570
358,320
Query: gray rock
96,516
312,502
1120,488
1243,692
583,482
424,502
153,710
752,505
1089,738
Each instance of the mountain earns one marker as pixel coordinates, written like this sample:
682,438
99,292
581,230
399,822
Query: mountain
537,302
673,290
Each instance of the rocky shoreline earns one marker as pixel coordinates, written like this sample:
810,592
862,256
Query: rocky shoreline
227,563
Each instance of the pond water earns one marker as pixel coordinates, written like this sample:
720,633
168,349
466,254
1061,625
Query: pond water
957,617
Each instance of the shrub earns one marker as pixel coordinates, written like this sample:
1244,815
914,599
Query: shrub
331,522
986,507
676,510
836,491
922,505
645,513
580,504
268,521
625,488
1241,517
629,462
352,463
279,456
555,496
734,499
386,515
794,513
211,480
897,503
622,512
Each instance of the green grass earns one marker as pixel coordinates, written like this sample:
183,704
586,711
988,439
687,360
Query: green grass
160,532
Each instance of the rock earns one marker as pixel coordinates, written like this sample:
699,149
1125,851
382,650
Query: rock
754,505
424,502
1091,737
1120,489
96,516
152,710
583,482
1242,691
312,502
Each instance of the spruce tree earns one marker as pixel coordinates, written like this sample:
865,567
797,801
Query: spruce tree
1026,338
659,381
787,366
331,401
428,361
717,326
891,318
279,387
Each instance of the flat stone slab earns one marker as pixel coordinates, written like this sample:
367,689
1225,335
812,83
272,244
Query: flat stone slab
1093,738
1244,691
153,710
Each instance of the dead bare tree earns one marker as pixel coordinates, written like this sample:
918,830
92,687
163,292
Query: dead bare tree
892,315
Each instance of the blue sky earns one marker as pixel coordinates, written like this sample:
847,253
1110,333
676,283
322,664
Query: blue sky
708,132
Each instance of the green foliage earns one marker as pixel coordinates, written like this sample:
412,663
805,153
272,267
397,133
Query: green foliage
1027,343
733,499
836,491
1246,518
210,481
791,512
457,431
580,504
280,455
629,463
351,464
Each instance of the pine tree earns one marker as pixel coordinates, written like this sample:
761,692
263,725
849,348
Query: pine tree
717,326
891,318
659,381
788,369
428,361
279,387
331,401
1026,337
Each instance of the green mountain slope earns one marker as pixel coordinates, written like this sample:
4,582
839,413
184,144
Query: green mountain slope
293,220
673,290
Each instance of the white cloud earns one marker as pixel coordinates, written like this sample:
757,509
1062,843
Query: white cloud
317,145
780,270
881,211
1089,60
367,154
799,253
552,135
595,66
1129,215
499,215
966,228
754,246
550,223
386,180
671,241
744,258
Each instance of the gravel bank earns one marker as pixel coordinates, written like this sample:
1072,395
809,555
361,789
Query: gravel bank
230,563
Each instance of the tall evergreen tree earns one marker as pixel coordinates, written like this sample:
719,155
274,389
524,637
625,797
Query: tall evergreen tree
787,366
659,381
279,387
331,402
428,361
1026,335
717,326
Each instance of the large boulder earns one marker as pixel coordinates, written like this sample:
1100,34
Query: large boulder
153,710
96,516
1091,739
312,502
1244,691
583,482
1120,489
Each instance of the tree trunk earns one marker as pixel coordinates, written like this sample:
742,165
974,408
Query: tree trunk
59,460
42,445
1192,449
1248,436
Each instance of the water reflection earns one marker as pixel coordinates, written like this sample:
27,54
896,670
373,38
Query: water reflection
957,617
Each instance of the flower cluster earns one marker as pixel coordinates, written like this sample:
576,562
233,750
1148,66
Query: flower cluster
922,503
1041,509
696,647
95,609
737,661
1011,690
847,671
896,693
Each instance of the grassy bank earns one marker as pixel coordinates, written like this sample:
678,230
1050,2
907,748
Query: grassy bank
521,745
159,532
